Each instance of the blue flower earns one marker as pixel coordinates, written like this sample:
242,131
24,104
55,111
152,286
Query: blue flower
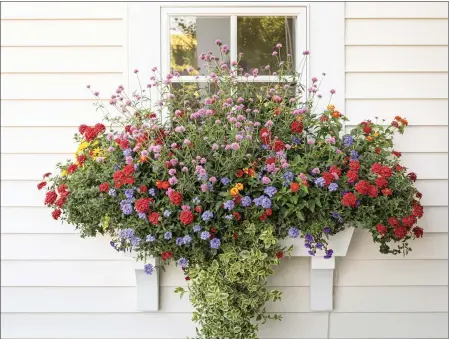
354,155
187,239
167,213
215,243
129,193
112,192
270,191
293,232
135,241
127,208
150,238
333,187
225,181
148,269
289,176
296,140
179,241
312,253
229,205
329,254
126,233
116,167
152,192
246,201
326,230
196,228
320,182
142,215
183,262
263,201
307,245
205,235
229,216
309,238
319,245
207,215
127,152
348,140
168,235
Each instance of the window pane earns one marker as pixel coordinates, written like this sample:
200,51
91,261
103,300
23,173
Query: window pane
258,36
191,36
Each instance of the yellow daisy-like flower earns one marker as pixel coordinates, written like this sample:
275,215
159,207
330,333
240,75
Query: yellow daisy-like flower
330,107
234,191
376,134
238,186
63,173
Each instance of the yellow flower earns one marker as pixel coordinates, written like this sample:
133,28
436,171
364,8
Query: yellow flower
63,173
238,186
376,134
330,107
234,191
106,222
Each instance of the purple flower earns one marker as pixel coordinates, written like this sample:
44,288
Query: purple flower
225,181
309,238
229,216
348,140
183,262
179,241
270,191
229,205
329,254
326,230
142,215
126,233
187,239
112,192
333,187
135,241
148,269
289,176
215,243
354,155
152,192
263,201
205,235
320,182
168,235
150,238
319,245
207,215
311,253
307,245
196,228
127,152
127,208
293,232
296,140
246,201
129,193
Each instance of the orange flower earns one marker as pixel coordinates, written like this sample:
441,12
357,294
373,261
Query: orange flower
405,122
336,114
369,138
398,118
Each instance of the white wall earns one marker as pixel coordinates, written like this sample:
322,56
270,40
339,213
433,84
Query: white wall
57,285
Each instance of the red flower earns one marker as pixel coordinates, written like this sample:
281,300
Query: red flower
143,205
99,128
263,217
349,200
162,184
418,195
61,201
198,209
382,229
399,168
387,192
352,176
394,124
396,153
62,188
82,129
104,187
50,197
176,198
56,214
418,211
393,221
270,160
265,135
412,176
294,187
119,175
235,235
251,172
237,216
354,165
362,187
336,170
386,172
328,178
129,180
418,231
143,189
186,217
409,220
239,173
367,129
278,146
238,200
46,175
213,230
296,127
378,150
81,159
381,182
154,218
277,111
128,170
400,232
72,168
324,118
373,191
279,255
187,278
41,185
124,144
376,168
269,212
166,255
90,134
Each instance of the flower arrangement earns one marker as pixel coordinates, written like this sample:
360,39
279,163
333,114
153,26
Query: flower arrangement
237,167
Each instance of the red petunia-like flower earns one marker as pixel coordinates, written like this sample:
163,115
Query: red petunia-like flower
418,211
186,217
296,127
154,218
336,170
396,153
62,188
50,197
386,172
72,168
294,187
99,128
376,168
176,198
373,191
81,159
354,165
237,216
363,187
381,182
270,160
238,200
352,176
56,214
367,129
263,217
278,146
61,201
378,150
82,128
412,176
90,134
418,231
143,205
324,118
124,144
265,135
382,229
128,170
104,187
328,178
393,221
349,200
143,189
409,220
279,255
41,185
387,192
239,173
166,255
400,232
198,209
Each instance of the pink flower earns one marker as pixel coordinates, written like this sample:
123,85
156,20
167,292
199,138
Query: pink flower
214,147
129,160
285,165
204,188
266,180
187,142
212,179
310,141
184,169
172,172
185,207
173,181
331,140
235,146
269,123
332,91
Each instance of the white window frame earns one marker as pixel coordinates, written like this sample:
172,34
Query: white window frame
233,12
